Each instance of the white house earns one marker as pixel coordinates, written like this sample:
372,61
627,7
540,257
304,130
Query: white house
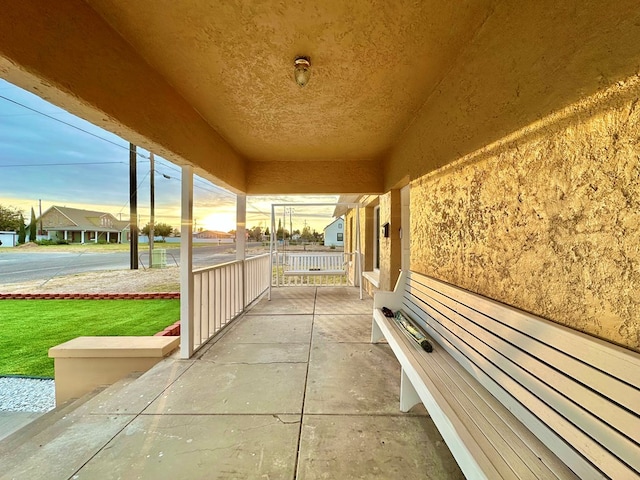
8,239
334,233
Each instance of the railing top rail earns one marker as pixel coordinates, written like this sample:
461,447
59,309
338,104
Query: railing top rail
257,257
315,254
216,267
227,264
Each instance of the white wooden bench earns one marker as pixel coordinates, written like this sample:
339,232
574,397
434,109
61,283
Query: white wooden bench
514,395
315,264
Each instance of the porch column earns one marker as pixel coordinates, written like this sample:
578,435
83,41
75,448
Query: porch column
119,237
186,264
241,226
66,236
96,240
82,236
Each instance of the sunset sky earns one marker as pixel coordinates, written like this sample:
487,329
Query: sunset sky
77,164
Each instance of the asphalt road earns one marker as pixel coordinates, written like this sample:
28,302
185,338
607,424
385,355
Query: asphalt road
18,267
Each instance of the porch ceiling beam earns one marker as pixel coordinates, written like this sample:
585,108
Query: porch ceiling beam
67,54
321,177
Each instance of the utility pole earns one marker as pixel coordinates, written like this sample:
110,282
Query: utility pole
40,208
133,208
290,223
152,189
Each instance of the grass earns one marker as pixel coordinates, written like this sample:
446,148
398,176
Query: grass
28,328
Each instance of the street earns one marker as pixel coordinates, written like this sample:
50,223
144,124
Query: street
18,267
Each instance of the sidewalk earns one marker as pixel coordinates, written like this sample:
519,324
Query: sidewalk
294,390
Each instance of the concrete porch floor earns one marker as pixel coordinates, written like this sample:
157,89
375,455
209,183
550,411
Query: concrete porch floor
292,390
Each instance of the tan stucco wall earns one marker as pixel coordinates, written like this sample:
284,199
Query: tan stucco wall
548,220
527,61
390,247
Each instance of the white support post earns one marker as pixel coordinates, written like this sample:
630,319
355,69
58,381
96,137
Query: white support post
358,249
241,226
82,237
186,264
66,235
241,240
96,240
273,245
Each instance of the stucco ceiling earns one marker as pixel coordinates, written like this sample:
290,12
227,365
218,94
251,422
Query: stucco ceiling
374,64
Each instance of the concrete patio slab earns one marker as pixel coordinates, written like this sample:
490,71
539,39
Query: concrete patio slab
258,353
352,378
342,328
270,329
378,447
235,410
200,447
209,388
131,396
61,449
299,303
331,301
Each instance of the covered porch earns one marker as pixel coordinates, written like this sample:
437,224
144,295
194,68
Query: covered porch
293,389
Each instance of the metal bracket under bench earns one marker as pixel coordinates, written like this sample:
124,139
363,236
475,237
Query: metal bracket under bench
512,394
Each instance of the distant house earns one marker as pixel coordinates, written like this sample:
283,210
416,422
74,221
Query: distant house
82,226
8,239
214,235
334,233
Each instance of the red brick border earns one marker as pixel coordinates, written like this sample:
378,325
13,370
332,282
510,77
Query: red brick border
90,296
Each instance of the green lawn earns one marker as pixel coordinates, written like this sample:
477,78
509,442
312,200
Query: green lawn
28,328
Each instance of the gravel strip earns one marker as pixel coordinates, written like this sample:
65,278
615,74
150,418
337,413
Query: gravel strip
26,394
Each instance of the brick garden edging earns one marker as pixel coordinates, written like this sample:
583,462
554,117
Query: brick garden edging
90,296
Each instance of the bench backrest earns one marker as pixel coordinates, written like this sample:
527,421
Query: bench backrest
576,393
315,261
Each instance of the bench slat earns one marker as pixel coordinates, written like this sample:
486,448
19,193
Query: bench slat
477,420
548,403
593,373
482,418
616,361
539,360
470,457
516,355
551,461
534,414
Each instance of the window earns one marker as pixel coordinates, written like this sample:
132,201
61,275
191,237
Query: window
340,237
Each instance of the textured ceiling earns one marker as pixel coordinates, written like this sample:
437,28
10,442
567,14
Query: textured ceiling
373,66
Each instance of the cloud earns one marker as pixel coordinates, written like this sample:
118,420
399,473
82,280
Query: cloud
80,165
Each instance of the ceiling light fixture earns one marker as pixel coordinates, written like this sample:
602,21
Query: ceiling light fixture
301,70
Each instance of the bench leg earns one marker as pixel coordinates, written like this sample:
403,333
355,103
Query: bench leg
376,333
408,396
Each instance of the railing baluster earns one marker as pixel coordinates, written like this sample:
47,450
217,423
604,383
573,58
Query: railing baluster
222,292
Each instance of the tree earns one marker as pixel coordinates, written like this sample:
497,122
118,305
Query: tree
255,234
33,231
159,229
307,236
10,219
22,234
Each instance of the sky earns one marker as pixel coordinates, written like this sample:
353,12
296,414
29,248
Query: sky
49,155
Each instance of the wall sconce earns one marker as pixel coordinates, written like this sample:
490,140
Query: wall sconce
301,70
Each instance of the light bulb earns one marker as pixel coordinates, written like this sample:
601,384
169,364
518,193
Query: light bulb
302,70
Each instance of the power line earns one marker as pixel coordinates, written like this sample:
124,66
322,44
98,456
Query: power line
69,125
56,164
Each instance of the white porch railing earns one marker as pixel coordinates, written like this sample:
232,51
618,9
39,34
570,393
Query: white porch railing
221,293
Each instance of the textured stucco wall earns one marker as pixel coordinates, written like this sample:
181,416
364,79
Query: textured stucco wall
548,220
390,247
